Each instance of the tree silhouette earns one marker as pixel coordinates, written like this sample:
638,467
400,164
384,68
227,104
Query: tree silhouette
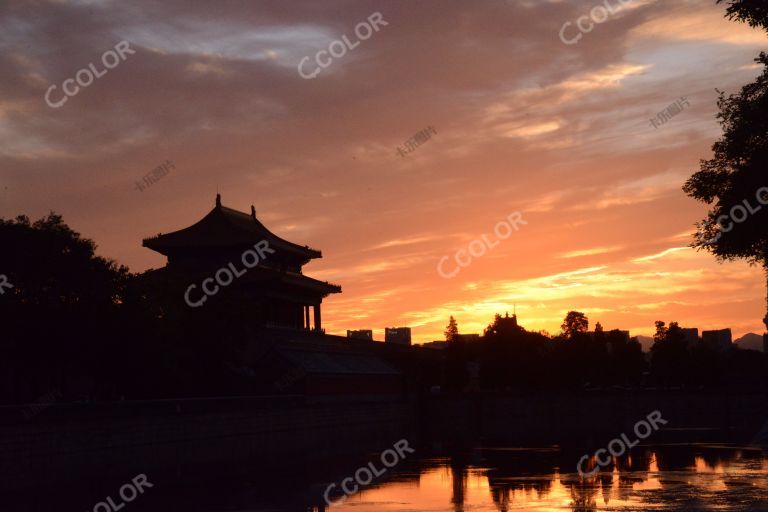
502,326
669,354
733,181
599,332
82,326
57,268
575,323
64,312
754,12
452,331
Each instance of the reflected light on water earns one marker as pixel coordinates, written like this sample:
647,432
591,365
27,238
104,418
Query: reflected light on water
683,480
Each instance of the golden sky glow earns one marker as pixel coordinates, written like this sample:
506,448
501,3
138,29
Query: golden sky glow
525,123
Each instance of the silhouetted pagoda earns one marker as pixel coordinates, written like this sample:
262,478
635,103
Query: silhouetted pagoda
275,292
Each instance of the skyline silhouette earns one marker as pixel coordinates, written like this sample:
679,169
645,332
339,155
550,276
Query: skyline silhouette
559,133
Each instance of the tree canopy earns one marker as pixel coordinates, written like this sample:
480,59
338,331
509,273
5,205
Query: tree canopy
733,182
753,12
452,330
575,323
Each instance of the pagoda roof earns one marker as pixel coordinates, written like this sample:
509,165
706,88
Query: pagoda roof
225,228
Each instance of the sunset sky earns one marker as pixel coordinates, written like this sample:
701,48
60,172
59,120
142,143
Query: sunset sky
524,122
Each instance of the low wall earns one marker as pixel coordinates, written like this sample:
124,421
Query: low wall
542,417
66,444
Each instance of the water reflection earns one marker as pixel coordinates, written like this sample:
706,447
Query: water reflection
673,477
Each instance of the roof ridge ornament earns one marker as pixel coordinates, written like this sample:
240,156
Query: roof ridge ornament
218,200
253,212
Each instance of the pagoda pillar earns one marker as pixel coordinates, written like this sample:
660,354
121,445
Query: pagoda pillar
306,318
318,325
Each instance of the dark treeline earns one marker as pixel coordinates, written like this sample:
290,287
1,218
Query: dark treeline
507,357
80,327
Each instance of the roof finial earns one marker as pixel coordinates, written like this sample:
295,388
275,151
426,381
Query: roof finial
218,200
253,211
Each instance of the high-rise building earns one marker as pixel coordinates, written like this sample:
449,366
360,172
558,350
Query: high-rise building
361,334
717,340
690,336
397,335
607,334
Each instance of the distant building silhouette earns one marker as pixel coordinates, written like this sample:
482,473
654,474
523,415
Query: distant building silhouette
278,294
508,322
625,334
690,336
362,334
467,337
397,335
717,340
503,326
